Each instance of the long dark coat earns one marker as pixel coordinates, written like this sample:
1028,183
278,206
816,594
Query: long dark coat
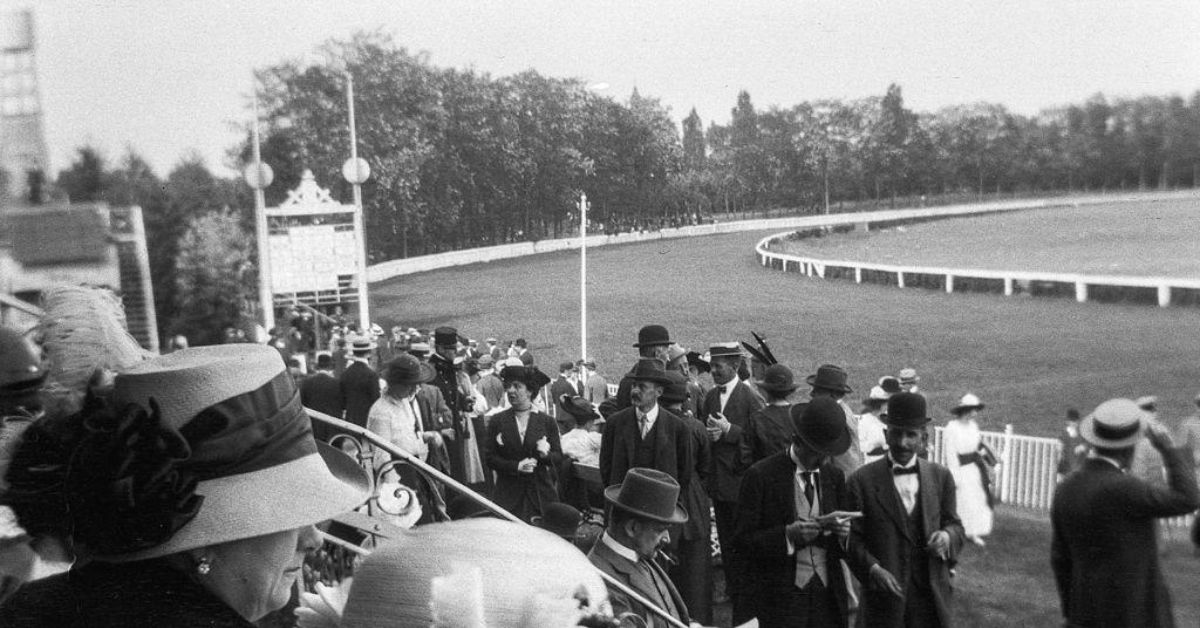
523,494
881,536
360,388
1104,544
766,505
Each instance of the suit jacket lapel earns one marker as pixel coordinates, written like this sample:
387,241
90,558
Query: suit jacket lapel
889,497
530,428
512,436
929,492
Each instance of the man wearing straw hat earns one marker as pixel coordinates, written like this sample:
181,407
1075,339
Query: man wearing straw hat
1103,540
644,507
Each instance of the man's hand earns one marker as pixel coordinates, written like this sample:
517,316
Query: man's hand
1159,435
939,544
801,532
886,581
527,465
433,438
841,529
717,426
714,433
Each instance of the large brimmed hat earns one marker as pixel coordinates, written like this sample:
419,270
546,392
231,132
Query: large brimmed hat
676,389
559,518
699,361
482,572
968,402
249,445
777,378
821,425
653,336
578,407
649,370
406,369
907,410
1114,424
649,494
890,385
531,376
830,377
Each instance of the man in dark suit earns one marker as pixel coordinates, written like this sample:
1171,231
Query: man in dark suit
793,557
727,408
902,548
466,457
565,383
644,507
359,383
321,392
653,341
523,352
1104,544
645,435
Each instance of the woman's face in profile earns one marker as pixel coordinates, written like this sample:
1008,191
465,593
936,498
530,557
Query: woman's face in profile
255,576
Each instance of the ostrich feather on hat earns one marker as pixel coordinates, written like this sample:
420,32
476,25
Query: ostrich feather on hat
85,338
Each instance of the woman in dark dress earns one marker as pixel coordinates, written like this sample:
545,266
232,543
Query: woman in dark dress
769,430
191,494
523,446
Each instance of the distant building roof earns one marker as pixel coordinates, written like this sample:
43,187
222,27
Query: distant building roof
59,235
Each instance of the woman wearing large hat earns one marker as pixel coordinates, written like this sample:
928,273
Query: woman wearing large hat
194,491
769,430
523,446
970,462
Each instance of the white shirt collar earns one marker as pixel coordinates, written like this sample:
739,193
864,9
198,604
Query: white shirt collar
651,416
622,551
800,468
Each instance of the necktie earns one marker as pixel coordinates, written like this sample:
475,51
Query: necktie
720,390
904,470
643,424
810,486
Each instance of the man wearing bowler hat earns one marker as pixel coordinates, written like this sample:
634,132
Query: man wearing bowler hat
727,407
646,435
644,507
787,526
909,535
653,341
830,382
1103,543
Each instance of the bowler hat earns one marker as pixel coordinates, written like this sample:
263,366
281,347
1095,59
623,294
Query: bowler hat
907,410
830,377
653,336
676,390
406,369
649,494
1114,424
324,362
650,370
777,378
246,438
821,424
968,402
559,518
445,337
531,376
578,407
566,366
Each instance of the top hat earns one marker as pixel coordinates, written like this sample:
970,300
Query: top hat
445,337
907,410
777,378
649,494
578,407
725,349
531,376
362,345
700,362
485,572
324,362
908,376
830,377
968,402
649,370
676,389
235,414
407,369
653,336
559,518
1114,424
821,425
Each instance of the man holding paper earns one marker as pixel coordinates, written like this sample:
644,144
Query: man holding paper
792,525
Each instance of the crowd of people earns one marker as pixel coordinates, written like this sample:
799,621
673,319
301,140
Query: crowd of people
183,489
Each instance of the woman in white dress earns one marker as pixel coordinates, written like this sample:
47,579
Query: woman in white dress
969,461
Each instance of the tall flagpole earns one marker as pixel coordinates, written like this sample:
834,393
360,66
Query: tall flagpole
266,300
360,234
583,205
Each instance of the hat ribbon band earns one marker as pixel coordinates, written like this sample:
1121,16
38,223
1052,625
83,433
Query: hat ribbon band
267,426
1109,432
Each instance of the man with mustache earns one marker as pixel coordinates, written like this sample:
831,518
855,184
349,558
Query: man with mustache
646,435
910,533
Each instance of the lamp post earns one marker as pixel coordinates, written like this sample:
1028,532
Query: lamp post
258,176
583,207
356,171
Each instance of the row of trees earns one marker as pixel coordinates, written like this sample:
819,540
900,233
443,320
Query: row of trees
461,159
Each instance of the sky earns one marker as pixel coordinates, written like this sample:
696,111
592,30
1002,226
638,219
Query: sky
171,78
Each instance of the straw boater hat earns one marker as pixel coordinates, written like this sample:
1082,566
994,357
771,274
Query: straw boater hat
821,425
968,402
474,572
908,376
258,468
362,345
649,494
1114,424
725,350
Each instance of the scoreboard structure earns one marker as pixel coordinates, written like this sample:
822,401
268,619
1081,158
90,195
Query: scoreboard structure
312,247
